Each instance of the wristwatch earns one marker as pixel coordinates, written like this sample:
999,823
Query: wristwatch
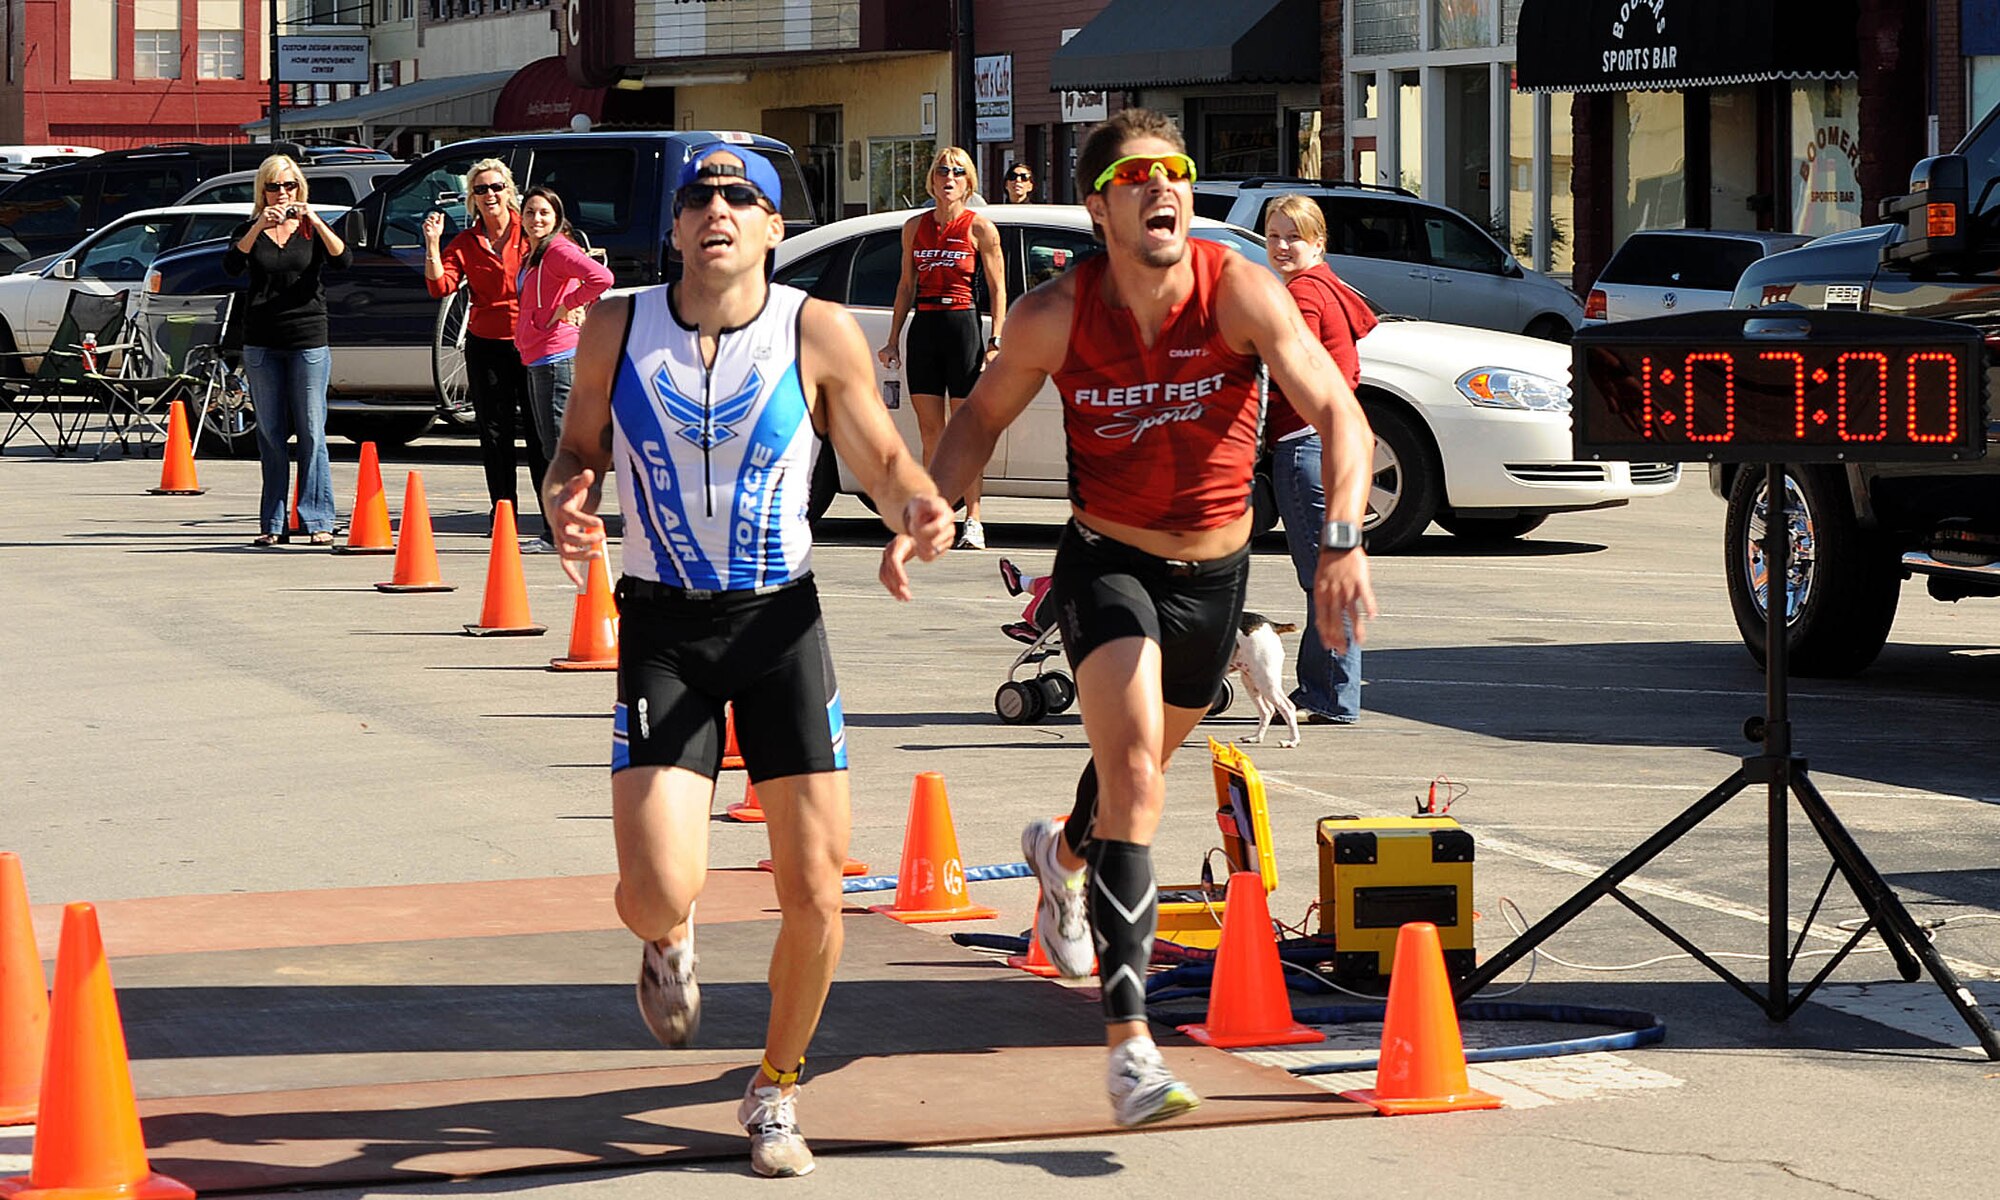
993,343
1340,535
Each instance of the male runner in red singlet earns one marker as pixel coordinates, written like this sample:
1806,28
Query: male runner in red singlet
1154,346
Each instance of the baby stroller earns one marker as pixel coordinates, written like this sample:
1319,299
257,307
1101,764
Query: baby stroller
1049,690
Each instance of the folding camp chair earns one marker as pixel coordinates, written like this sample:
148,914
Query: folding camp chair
60,380
171,353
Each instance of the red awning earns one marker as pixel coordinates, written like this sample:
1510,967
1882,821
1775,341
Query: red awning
541,96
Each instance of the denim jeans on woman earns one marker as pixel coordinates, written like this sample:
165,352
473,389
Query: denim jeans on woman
548,395
288,392
1329,683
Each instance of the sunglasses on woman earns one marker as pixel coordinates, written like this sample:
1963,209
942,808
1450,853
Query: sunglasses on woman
735,195
282,185
487,189
1138,168
948,169
1021,177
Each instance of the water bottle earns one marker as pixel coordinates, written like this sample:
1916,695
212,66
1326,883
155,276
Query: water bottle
90,353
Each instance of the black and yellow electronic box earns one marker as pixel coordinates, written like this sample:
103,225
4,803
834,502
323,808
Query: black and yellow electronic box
1191,913
1376,874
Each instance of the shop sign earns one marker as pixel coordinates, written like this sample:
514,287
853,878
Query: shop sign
700,28
1826,156
323,60
1082,107
993,97
1635,25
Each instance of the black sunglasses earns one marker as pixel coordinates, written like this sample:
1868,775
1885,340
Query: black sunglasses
736,195
487,189
282,185
948,169
1021,176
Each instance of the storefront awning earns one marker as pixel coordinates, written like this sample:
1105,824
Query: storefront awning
1650,45
454,102
541,96
1136,44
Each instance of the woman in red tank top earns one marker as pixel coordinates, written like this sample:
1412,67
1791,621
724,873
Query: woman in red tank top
942,249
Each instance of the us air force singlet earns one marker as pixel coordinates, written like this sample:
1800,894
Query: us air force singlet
714,463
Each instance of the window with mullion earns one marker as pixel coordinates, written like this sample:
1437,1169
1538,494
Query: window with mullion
156,54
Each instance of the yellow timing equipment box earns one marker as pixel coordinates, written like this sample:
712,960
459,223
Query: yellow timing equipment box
1191,913
1378,873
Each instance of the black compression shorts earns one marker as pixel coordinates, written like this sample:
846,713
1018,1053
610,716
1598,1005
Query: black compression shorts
1105,590
681,655
945,352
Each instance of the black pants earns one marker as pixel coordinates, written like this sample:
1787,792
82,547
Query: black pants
499,386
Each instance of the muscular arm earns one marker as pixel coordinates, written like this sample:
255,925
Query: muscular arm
906,289
986,238
1032,353
574,483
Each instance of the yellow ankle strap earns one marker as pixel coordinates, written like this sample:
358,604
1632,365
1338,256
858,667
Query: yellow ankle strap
782,1078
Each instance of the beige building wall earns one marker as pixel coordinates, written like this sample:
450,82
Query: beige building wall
491,43
93,39
877,98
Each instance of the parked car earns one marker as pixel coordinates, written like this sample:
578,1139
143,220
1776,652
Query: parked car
1410,256
340,183
44,156
1471,426
1661,271
395,347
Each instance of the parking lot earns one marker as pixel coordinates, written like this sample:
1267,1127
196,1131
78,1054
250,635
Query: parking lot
189,716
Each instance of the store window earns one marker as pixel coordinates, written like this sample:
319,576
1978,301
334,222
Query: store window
1385,26
1826,153
1468,142
896,169
1410,132
1648,162
156,54
1985,71
1458,24
221,54
1733,201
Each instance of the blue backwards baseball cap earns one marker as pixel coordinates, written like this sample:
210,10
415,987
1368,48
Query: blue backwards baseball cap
757,170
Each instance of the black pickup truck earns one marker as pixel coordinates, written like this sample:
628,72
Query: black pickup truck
396,349
1858,531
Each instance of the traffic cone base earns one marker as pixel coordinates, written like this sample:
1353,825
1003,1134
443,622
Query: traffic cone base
504,613
416,587
177,475
416,554
593,626
24,1001
930,882
583,664
852,868
88,1144
1422,1066
1247,1001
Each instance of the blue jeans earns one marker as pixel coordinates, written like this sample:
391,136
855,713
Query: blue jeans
288,391
1329,683
548,395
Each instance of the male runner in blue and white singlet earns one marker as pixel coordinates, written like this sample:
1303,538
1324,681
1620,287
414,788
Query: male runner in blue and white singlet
711,396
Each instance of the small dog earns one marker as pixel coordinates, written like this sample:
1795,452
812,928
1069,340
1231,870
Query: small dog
1260,661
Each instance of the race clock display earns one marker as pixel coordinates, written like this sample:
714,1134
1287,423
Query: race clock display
1779,386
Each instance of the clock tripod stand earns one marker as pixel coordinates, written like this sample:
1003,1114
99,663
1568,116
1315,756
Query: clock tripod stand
1783,777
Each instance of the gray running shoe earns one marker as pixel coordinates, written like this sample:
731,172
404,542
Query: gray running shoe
1061,921
972,536
777,1149
669,998
1142,1089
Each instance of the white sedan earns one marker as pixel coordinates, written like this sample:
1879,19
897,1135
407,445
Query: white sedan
1471,425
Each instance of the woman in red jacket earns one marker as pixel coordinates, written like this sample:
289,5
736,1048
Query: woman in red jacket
558,283
487,257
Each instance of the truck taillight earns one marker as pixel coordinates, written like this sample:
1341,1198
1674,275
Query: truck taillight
1596,306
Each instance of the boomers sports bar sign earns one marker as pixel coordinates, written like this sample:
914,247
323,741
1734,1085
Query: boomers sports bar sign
1636,45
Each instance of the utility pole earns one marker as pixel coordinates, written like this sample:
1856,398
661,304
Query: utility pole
274,71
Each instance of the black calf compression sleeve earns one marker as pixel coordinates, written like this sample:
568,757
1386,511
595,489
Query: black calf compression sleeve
1124,912
1076,831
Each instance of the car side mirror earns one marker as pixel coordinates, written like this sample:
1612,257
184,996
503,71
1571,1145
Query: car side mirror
66,269
1512,268
1934,215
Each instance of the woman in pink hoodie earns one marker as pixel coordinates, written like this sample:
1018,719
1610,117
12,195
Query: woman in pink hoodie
558,282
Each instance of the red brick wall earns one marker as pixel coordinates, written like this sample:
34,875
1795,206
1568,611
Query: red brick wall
1948,67
1590,184
1332,90
1031,30
1891,96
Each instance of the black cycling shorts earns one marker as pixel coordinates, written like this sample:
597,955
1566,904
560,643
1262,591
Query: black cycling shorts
681,655
944,352
1105,590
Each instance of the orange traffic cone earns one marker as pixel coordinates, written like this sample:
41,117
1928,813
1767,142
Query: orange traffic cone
1422,1068
746,809
593,630
1035,962
416,554
505,610
177,477
24,1001
368,530
1247,1002
930,883
732,757
87,1143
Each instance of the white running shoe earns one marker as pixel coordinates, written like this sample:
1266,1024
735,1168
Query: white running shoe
972,536
1142,1089
777,1149
669,998
1061,921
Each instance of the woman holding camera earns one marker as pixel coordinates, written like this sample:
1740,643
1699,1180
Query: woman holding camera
559,282
487,257
285,356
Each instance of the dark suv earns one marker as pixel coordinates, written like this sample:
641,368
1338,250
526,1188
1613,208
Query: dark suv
395,347
1858,531
53,209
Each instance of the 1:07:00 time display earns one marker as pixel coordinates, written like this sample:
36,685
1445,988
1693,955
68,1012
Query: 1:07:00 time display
1860,396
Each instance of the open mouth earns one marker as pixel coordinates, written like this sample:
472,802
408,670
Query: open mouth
1162,220
715,241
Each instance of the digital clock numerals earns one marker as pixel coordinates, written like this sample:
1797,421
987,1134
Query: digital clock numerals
1864,392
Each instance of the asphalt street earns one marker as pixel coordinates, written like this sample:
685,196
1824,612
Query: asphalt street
189,715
